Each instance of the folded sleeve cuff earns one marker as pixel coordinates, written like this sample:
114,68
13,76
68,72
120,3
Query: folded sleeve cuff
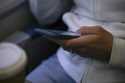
118,52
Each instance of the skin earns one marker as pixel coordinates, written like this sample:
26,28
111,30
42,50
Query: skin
94,42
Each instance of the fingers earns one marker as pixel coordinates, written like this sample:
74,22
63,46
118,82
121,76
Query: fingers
85,30
82,41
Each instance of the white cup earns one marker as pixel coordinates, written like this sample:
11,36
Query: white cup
12,63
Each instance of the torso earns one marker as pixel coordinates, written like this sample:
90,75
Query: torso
107,13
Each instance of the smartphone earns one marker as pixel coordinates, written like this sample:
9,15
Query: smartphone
49,33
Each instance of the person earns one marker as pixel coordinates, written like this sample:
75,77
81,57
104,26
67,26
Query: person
98,55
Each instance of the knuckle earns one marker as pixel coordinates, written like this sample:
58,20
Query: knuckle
99,28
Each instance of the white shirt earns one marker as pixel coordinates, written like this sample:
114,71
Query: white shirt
109,14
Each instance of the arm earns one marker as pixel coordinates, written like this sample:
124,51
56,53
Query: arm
49,11
94,42
97,43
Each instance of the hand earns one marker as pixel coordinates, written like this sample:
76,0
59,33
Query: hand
95,42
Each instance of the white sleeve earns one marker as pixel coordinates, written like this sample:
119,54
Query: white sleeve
49,11
118,52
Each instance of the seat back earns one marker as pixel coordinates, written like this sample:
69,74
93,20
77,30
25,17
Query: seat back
14,15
